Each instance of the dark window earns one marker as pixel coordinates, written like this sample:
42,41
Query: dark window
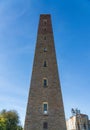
45,29
45,21
45,125
44,37
45,49
45,82
45,107
84,126
45,64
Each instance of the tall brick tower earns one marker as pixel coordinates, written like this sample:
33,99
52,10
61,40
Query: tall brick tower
45,109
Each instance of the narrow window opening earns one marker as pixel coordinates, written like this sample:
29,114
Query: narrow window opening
45,21
44,37
84,126
45,125
45,82
45,107
45,49
45,64
45,29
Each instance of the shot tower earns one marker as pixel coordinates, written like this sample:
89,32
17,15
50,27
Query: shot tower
45,109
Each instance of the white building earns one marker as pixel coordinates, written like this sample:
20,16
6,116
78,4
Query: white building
78,122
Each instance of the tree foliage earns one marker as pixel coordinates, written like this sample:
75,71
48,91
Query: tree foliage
2,123
9,120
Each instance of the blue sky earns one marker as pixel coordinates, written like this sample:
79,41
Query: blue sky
18,30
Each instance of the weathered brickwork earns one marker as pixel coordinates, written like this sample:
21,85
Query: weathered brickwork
39,94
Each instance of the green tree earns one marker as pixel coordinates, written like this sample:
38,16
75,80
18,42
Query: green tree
2,123
19,128
12,121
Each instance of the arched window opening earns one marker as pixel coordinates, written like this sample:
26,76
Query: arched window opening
45,107
45,82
